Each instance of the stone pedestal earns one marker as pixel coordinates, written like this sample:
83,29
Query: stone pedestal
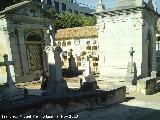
131,76
89,81
10,94
56,89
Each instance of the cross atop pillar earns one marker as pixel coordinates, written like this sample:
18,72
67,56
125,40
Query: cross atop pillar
131,53
71,51
100,7
7,64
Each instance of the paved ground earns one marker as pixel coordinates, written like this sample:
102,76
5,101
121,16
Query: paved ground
138,108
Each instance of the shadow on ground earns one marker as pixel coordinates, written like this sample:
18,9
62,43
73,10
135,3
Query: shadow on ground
119,112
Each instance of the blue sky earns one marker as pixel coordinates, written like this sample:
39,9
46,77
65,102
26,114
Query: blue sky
107,3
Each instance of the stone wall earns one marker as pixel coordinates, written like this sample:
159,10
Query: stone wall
147,86
56,107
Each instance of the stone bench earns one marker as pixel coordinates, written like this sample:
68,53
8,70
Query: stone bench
147,86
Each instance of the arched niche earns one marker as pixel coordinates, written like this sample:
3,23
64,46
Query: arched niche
34,45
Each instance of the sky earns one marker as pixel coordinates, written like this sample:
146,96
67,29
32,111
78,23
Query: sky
107,3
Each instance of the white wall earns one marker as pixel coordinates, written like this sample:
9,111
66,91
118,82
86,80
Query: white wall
120,33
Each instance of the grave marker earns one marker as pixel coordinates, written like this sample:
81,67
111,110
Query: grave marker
10,92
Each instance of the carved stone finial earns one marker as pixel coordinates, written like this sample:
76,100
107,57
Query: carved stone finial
71,51
152,4
100,7
131,53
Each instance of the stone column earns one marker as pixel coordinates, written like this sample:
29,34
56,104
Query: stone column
56,86
101,28
23,51
7,49
46,43
14,41
154,71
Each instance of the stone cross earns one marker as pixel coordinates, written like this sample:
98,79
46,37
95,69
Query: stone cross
72,63
88,67
131,76
7,64
131,54
56,86
10,92
54,62
89,81
71,51
51,34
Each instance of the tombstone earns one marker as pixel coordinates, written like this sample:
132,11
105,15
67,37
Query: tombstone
154,74
10,91
56,86
147,86
89,81
131,76
72,63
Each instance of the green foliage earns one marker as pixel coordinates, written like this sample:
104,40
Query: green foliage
51,13
69,20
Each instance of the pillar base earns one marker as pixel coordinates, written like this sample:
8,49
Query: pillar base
12,94
57,89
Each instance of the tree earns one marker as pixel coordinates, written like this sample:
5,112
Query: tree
69,20
60,21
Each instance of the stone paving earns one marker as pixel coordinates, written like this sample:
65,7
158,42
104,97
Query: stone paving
140,108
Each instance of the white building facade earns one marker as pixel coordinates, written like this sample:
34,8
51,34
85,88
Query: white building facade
129,24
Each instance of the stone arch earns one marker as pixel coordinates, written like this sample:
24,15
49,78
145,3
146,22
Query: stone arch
33,36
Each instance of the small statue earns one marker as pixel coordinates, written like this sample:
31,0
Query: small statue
44,78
